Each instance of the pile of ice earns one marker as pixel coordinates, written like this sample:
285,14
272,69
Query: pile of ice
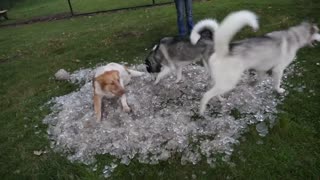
164,120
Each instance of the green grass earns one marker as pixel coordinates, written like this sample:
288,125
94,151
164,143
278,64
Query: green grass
30,55
28,9
96,5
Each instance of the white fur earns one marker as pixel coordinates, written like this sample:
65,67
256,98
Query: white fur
226,69
134,73
209,24
154,47
316,37
230,26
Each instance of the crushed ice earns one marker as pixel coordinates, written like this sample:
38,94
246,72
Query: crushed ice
107,170
164,119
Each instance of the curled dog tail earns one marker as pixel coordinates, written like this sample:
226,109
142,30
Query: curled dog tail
233,23
209,24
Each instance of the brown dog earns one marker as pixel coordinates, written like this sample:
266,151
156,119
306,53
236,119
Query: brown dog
109,81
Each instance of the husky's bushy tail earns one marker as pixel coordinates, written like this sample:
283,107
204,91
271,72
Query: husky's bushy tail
231,24
209,24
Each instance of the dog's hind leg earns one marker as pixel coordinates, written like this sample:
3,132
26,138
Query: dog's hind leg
206,65
222,85
179,74
207,96
277,75
97,106
165,72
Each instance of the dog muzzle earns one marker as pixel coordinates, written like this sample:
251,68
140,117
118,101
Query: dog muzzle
314,39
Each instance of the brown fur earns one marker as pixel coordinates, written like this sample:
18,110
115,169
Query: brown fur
110,82
97,105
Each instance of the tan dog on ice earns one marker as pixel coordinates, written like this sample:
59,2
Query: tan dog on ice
109,81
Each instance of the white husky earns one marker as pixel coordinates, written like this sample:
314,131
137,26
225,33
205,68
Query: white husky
273,51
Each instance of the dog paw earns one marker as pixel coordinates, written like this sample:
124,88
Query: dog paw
98,120
202,109
126,109
280,90
179,80
221,99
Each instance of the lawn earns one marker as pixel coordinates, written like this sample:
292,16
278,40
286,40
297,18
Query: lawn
31,54
28,9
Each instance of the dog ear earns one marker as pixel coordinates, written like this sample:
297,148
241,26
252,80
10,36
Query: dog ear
314,29
116,75
100,80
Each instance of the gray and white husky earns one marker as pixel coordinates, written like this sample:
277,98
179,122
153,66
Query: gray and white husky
172,53
273,51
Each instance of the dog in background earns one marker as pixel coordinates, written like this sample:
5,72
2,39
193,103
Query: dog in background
273,51
173,53
109,81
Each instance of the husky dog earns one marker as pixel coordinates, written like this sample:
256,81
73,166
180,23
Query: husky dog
273,51
172,53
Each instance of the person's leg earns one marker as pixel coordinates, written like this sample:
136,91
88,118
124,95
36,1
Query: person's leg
188,6
180,16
